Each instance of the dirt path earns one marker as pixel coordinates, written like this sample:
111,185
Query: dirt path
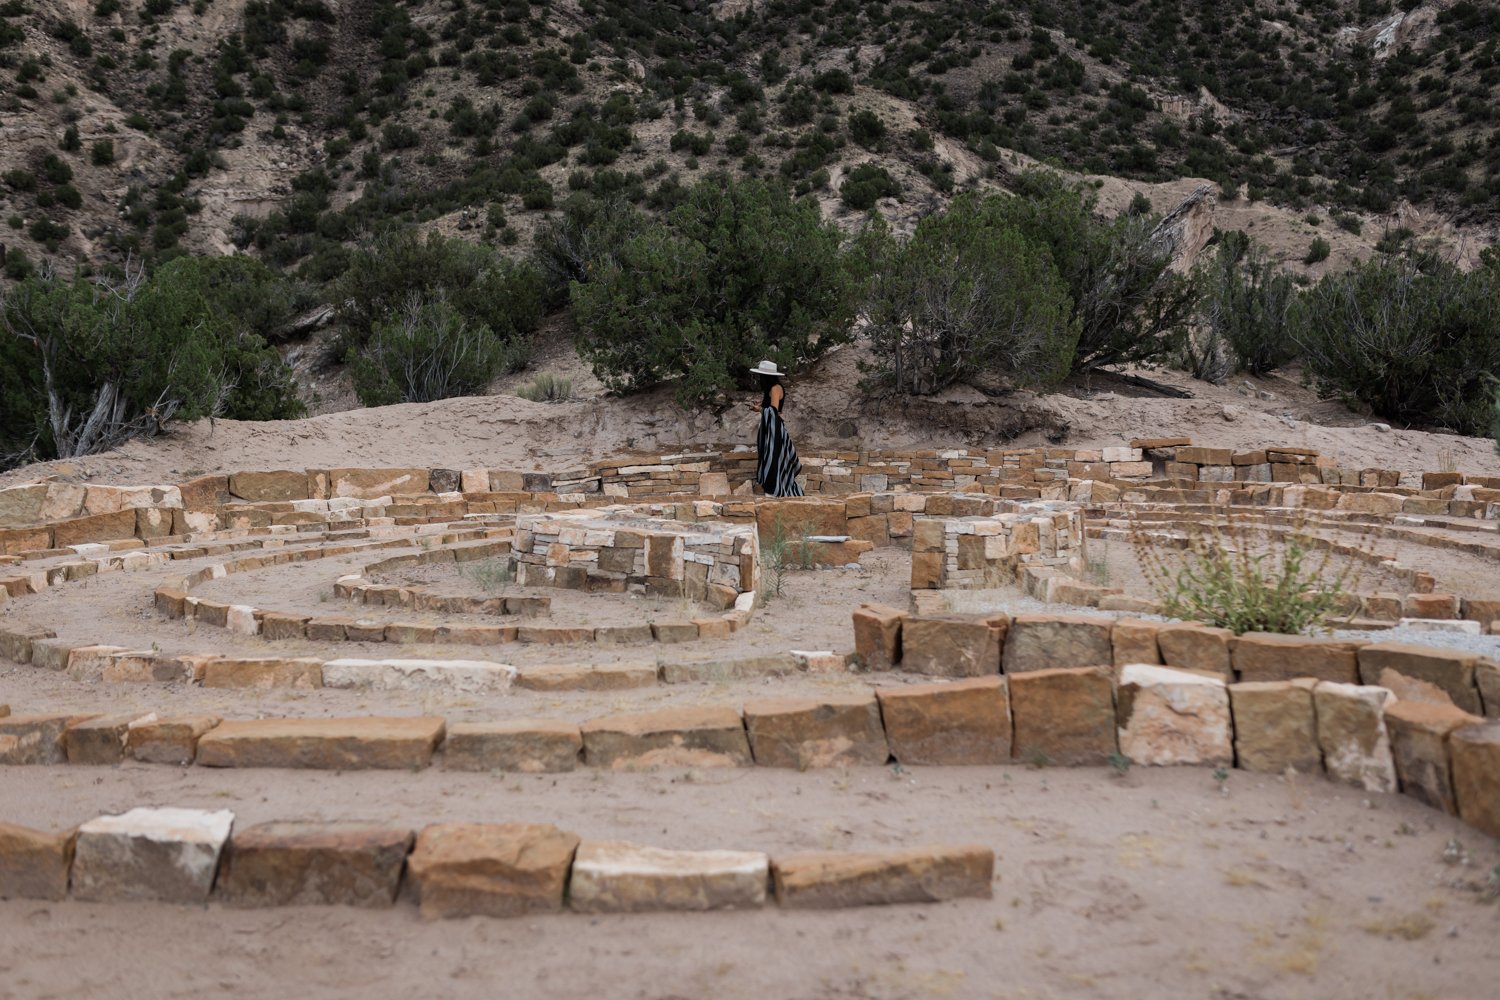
1152,885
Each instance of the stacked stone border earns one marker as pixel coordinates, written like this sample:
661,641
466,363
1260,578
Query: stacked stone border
176,601
1297,703
196,856
55,515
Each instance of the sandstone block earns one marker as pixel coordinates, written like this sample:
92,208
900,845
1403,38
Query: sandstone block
326,629
877,636
16,641
962,722
617,877
261,487
674,631
328,744
466,676
1206,456
1063,715
1371,503
926,570
952,647
320,864
263,673
36,739
1173,717
1406,688
735,669
95,528
1196,647
163,854
101,740
173,740
623,633
34,864
1352,735
444,480
1475,754
1043,642
600,677
1266,656
532,746
693,737
371,484
22,505
1436,607
832,731
1275,727
1419,746
826,880
1449,669
204,493
485,869
1134,641
278,625
1487,680
800,517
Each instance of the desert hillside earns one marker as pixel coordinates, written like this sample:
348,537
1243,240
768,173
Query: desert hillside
289,129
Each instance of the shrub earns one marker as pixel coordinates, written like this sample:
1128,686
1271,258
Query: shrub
698,145
1317,252
571,245
1131,307
399,136
17,264
547,388
102,152
251,306
84,366
737,272
1232,575
1248,305
482,288
429,351
865,185
1415,340
967,295
1348,223
866,128
538,196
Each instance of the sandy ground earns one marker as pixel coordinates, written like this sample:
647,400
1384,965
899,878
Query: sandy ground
1150,885
1130,887
824,410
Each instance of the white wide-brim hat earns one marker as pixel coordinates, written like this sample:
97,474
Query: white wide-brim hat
767,368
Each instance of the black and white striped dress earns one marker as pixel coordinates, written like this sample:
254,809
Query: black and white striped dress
779,467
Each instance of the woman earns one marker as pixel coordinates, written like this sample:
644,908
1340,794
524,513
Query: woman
778,467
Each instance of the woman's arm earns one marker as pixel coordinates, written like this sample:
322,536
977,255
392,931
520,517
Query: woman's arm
777,395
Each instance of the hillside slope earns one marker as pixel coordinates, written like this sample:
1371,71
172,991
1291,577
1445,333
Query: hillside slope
291,128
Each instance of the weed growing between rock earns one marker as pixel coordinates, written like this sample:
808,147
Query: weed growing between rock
1236,574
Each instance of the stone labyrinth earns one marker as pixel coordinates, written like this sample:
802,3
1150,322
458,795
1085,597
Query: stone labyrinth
934,608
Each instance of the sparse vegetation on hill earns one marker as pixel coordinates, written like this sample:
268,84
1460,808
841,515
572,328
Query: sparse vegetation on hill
373,112
561,154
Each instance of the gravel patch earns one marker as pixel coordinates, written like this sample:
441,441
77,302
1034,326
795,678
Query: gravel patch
1483,645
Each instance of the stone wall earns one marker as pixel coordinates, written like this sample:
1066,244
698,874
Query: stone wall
55,515
618,551
995,550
